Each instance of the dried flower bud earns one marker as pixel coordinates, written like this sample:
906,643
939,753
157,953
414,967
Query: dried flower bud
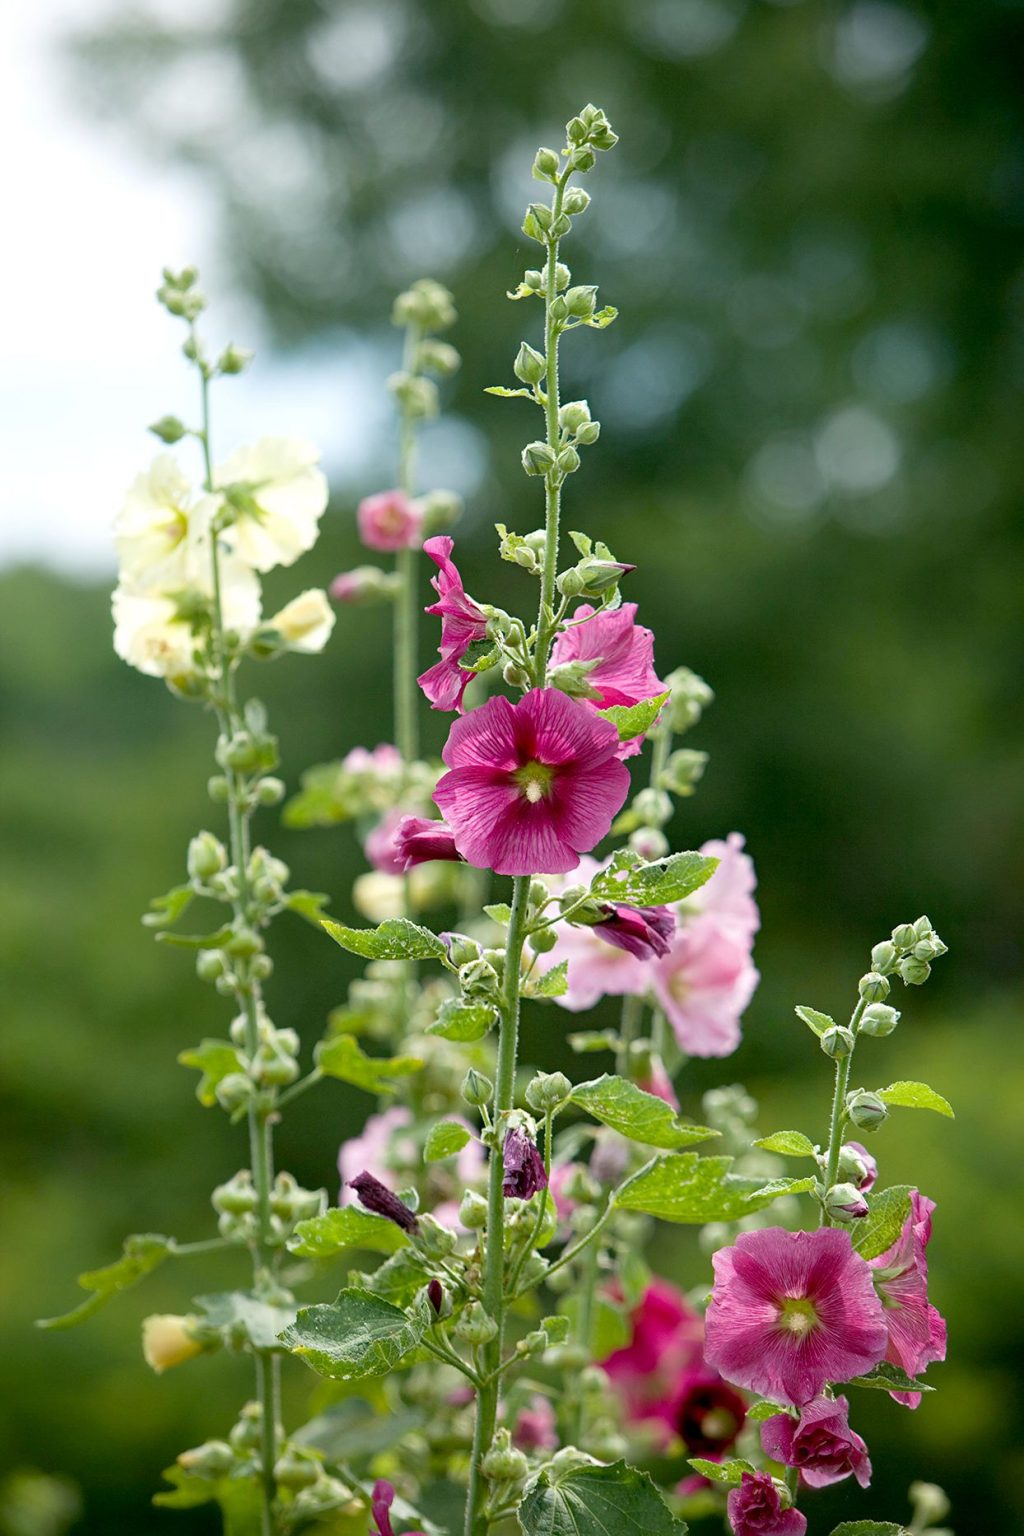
376,1197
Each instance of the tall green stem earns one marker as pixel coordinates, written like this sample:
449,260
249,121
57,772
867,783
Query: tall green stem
835,1135
406,662
553,479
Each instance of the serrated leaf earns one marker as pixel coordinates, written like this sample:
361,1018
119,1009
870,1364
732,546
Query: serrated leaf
395,939
907,1095
815,1020
632,720
356,1336
787,1144
215,1059
462,1022
166,909
759,1412
553,983
143,1252
321,1237
722,1471
308,904
444,1140
657,884
694,1190
595,1040
626,1108
869,1528
342,1056
889,1378
595,1501
888,1210
499,912
245,1319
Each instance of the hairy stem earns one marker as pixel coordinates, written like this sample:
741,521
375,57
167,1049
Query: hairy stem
835,1135
553,479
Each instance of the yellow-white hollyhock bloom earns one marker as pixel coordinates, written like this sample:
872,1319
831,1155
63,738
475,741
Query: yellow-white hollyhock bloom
306,622
167,1340
280,498
151,531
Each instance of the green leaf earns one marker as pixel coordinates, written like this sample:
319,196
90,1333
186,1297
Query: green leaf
143,1252
444,1140
215,940
553,983
595,1040
215,1059
308,904
595,1501
787,1144
396,939
166,909
889,1378
888,1209
722,1471
652,885
761,1411
641,1116
694,1190
240,1498
916,1096
869,1528
634,719
499,912
321,1237
245,1319
358,1335
602,318
818,1022
342,1056
462,1022
508,394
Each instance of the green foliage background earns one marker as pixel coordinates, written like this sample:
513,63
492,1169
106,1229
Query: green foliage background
790,232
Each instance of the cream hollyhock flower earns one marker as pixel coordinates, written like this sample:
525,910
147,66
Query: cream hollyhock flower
306,622
151,531
280,498
167,1340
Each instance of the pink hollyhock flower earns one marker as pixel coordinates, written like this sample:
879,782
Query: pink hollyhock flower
917,1332
419,840
704,983
389,520
706,1413
791,1311
531,785
561,1175
659,1083
666,1341
729,894
380,1509
755,1509
821,1443
595,969
384,760
462,625
866,1183
381,844
535,1427
622,648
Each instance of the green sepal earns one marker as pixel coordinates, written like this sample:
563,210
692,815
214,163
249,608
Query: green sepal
632,720
215,1059
759,1412
395,939
553,983
509,394
641,1116
499,912
815,1020
143,1252
602,318
240,1498
342,1056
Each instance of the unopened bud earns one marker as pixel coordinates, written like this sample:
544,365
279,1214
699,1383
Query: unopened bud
503,1463
653,806
546,165
873,987
588,434
576,200
234,359
537,458
649,842
547,1090
475,1326
865,1110
904,936
879,1019
568,461
270,791
206,856
476,1088
914,972
530,365
883,957
581,301
844,1202
837,1041
168,429
473,1211
438,357
930,1504
543,941
234,1091
213,1459
574,414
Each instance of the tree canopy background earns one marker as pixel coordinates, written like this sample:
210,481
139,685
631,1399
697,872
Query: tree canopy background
810,448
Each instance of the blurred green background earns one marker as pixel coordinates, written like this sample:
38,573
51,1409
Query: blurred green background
811,449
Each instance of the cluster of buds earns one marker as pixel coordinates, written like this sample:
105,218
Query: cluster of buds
423,310
181,296
909,953
596,575
237,1215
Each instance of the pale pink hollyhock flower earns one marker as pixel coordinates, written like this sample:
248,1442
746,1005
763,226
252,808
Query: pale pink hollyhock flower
462,625
729,894
384,760
561,1174
791,1311
381,844
595,969
535,1428
389,520
755,1509
704,983
624,652
531,785
666,1341
821,1443
379,1145
917,1331
418,840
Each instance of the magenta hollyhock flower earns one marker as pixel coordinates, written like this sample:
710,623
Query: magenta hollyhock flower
594,969
380,1509
419,840
755,1509
645,934
917,1331
523,1165
791,1311
704,983
531,785
536,1428
462,625
381,844
622,648
665,1343
389,520
821,1443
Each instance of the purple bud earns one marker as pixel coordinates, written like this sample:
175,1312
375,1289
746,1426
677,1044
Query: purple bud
418,840
524,1167
435,1295
646,934
380,1507
376,1197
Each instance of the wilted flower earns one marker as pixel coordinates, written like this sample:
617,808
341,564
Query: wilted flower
389,520
917,1332
821,1443
531,785
462,625
278,495
523,1165
755,1509
306,622
644,933
791,1311
376,1197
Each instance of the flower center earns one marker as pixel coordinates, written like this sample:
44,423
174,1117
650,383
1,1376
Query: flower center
534,780
798,1315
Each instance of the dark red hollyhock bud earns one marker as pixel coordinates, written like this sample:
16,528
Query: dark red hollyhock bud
524,1167
418,840
645,934
709,1414
376,1197
435,1295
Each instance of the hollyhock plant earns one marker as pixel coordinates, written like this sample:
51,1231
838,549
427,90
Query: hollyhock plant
791,1311
821,1443
531,785
917,1331
755,1509
389,520
729,895
151,531
463,624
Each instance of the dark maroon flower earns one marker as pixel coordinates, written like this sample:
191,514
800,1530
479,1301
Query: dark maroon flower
435,1295
708,1413
645,934
821,1443
376,1197
755,1509
524,1167
418,840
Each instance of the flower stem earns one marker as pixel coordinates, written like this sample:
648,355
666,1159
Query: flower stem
553,479
835,1136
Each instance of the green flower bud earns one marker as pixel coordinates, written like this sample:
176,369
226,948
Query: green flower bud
576,200
851,1168
433,1238
883,957
683,771
463,950
297,1468
218,789
653,806
543,941
538,458
571,583
530,365
240,752
924,949
582,301
568,461
245,1432
559,310
476,1088
210,965
440,509
576,131
879,1019
168,429
923,927
503,1463
537,222
516,675
417,397
914,972
438,357
562,276
234,359
320,1498
904,936
583,160
237,1197
845,1203
837,1042
873,987
573,414
649,842
533,1343
274,1068
261,967
478,978
689,697
546,165
547,1090
269,791
866,1110
213,1459
244,943
473,1211
475,1326
234,1091
427,305
588,434
533,279
206,856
